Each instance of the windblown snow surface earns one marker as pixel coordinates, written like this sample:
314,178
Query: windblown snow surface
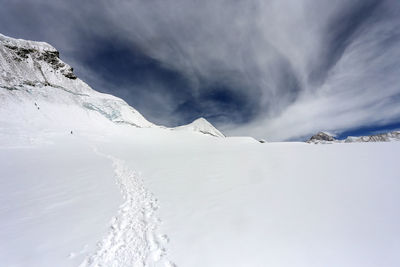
151,197
85,180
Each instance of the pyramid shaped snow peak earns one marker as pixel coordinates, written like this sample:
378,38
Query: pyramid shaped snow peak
201,125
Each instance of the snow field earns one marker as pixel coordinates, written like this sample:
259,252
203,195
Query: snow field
236,202
56,201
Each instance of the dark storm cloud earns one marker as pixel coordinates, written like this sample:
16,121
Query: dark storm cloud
275,69
105,57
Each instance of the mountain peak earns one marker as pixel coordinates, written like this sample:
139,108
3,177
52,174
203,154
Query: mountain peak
383,137
201,125
324,137
26,44
201,120
321,137
32,75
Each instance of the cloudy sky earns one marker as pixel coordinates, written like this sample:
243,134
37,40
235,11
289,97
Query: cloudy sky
273,69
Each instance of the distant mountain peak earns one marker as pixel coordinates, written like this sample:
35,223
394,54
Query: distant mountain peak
324,137
383,137
321,137
201,125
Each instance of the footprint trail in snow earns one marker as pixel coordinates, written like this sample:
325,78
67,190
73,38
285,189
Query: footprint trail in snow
132,239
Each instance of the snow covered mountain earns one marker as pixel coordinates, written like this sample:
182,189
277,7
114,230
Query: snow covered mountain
32,77
321,138
384,137
326,138
201,125
38,87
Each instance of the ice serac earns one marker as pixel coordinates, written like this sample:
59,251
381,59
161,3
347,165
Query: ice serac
36,85
201,125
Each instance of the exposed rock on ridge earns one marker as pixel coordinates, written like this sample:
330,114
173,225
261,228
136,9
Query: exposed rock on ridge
21,52
325,138
321,137
385,137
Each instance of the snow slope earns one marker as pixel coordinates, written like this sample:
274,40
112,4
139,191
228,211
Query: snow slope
110,194
220,201
33,80
235,202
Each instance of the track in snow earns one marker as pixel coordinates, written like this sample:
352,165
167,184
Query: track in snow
132,239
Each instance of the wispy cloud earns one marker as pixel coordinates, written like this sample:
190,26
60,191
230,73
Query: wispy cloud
272,69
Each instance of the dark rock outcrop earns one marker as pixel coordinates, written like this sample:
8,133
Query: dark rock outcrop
69,74
20,51
321,137
51,57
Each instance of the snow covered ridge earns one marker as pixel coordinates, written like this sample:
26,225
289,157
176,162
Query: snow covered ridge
37,86
20,43
32,76
323,137
385,137
201,125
